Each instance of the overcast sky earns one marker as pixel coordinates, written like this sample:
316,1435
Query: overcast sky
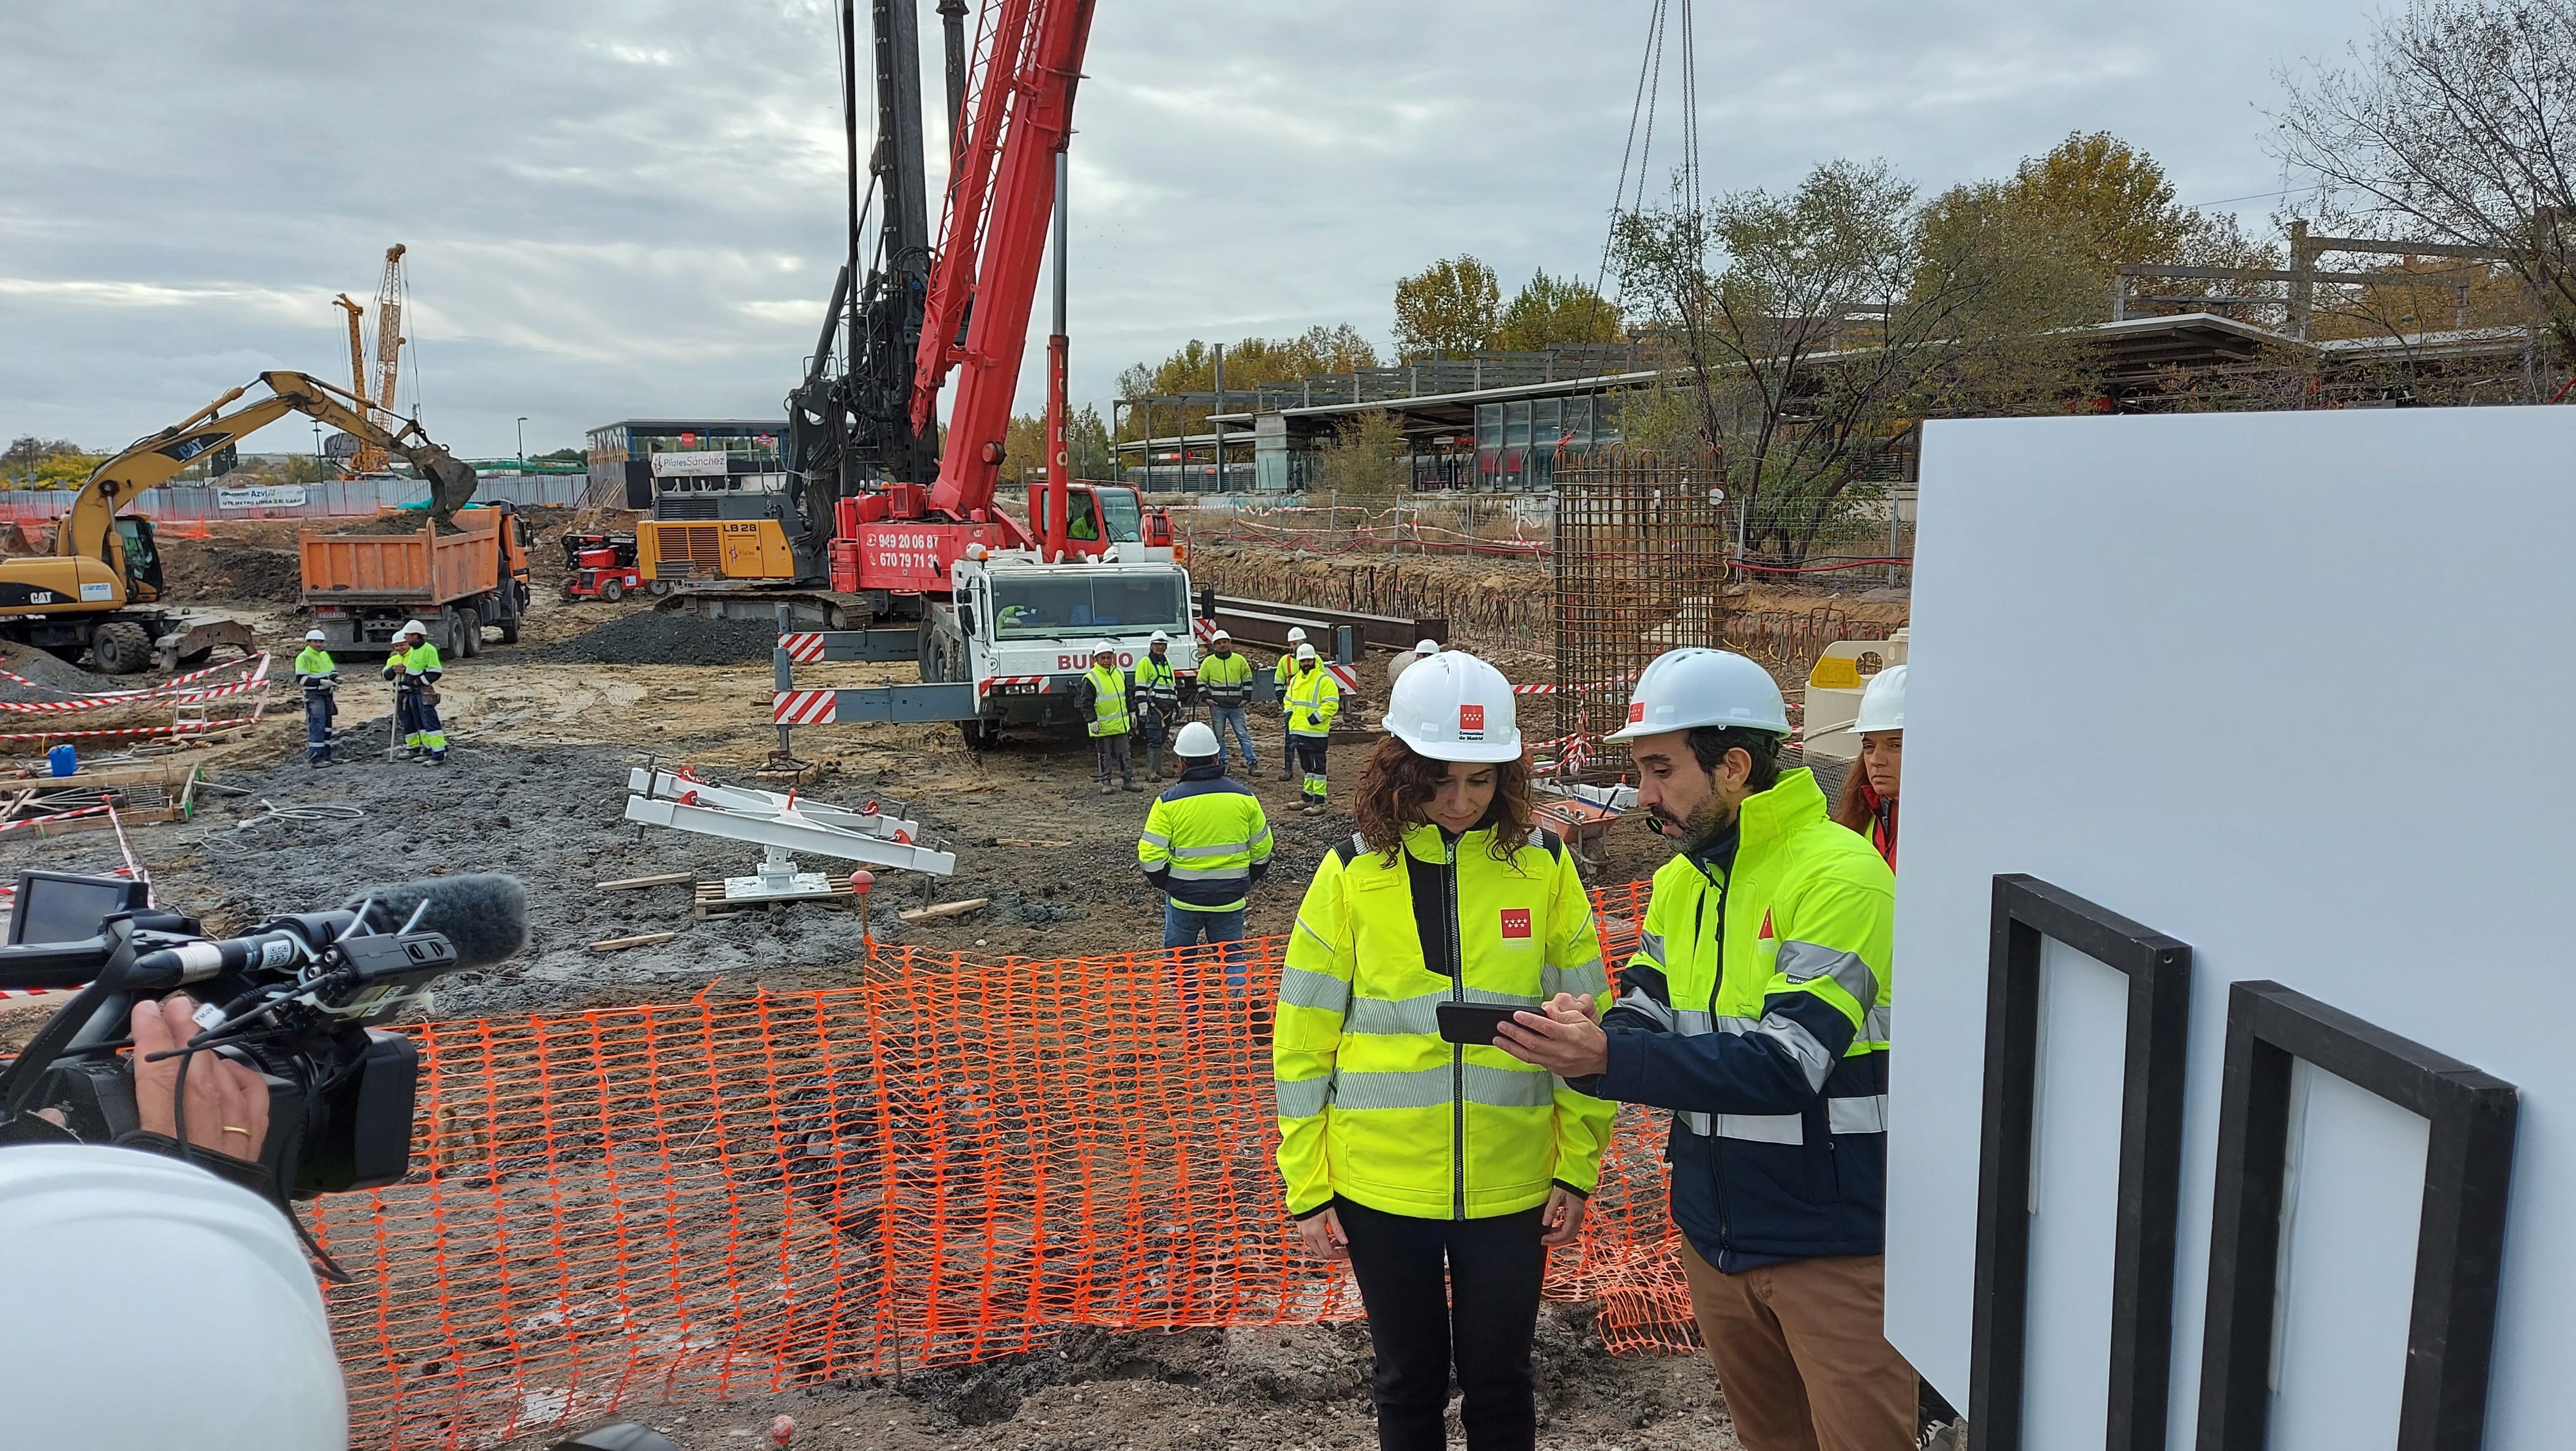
623,208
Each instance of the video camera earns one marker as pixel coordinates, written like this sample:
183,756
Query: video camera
298,1000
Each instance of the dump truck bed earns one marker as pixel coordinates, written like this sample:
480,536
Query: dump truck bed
422,568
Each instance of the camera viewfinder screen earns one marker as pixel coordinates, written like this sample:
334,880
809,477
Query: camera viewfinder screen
55,908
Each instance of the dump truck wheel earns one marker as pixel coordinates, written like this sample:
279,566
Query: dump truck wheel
120,649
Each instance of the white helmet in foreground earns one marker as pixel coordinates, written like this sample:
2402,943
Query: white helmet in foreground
1159,639
1882,706
316,637
1696,687
221,1308
415,627
1305,652
1194,740
1454,707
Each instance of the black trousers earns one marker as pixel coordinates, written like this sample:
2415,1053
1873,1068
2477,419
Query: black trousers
1440,1291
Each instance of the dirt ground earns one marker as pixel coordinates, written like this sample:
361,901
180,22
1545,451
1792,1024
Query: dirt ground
544,735
1265,1388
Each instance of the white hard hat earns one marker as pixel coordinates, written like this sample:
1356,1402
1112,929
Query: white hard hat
1455,707
1305,652
1882,706
1105,647
413,627
1159,639
1219,635
241,1354
316,636
1296,633
1426,647
1195,739
1695,686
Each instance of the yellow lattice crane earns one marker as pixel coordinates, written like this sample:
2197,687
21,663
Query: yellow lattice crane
368,457
389,338
388,357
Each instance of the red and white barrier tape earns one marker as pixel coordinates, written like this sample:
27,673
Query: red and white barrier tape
93,699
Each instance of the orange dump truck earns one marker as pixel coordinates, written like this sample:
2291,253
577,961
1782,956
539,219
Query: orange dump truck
363,587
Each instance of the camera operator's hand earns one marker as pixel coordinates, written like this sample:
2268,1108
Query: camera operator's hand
227,1103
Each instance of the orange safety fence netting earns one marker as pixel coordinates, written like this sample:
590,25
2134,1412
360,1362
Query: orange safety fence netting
941,1164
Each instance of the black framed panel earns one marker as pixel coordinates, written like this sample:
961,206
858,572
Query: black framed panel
2026,911
2459,1245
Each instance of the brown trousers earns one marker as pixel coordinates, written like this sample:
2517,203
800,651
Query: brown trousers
1802,1354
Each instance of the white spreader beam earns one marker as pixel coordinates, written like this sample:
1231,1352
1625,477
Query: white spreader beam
780,823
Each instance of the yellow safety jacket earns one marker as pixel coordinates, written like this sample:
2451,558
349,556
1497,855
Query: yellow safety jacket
1158,683
1314,698
1757,1007
1206,841
1376,1107
1108,701
1226,680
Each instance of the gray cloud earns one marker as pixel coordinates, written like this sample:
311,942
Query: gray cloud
632,207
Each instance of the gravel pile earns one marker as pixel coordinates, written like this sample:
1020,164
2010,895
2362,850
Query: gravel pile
51,670
657,637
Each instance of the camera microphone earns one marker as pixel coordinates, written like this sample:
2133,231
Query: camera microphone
272,950
483,915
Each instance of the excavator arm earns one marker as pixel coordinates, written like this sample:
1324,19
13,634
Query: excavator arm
91,523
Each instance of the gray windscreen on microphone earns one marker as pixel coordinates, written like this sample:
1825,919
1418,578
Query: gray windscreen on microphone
483,915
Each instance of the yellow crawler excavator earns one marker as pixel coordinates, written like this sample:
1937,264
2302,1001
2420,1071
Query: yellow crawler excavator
96,589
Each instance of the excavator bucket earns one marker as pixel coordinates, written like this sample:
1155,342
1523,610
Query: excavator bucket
451,483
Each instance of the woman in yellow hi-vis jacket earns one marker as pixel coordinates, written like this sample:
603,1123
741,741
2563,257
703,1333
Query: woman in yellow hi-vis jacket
1443,1171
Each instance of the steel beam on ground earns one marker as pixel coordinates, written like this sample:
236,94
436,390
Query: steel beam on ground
1266,622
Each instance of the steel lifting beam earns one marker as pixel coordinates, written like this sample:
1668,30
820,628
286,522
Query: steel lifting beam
731,798
779,823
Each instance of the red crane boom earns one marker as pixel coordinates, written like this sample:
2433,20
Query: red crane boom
999,200
983,286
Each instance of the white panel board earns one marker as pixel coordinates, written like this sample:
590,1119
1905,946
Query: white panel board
2349,1209
2215,673
2074,1193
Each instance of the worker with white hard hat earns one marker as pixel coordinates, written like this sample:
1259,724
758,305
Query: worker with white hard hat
158,1303
1101,696
1225,680
414,668
1314,698
1206,846
1158,700
1279,675
1441,1167
320,677
1868,801
1757,1008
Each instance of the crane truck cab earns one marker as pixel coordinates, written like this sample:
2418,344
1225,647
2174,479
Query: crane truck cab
1024,632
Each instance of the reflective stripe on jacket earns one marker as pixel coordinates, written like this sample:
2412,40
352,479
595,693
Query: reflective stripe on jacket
1374,1106
312,663
1156,682
1108,701
1758,1008
1206,841
1314,698
1226,680
418,665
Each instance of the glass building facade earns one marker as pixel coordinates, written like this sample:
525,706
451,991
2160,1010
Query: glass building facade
1521,444
621,454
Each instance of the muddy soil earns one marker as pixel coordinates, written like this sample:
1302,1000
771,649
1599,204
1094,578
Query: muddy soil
1286,1387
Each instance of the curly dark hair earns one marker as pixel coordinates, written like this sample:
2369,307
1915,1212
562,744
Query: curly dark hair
1397,784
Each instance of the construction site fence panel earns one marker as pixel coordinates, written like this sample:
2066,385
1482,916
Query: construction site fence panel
333,499
946,1162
